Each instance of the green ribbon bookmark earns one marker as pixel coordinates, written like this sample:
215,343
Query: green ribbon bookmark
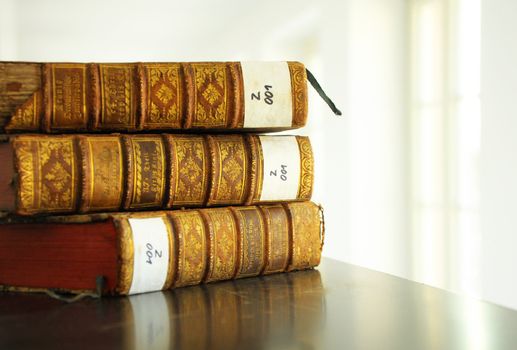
322,93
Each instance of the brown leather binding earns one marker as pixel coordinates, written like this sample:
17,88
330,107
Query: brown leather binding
206,245
131,97
18,82
93,173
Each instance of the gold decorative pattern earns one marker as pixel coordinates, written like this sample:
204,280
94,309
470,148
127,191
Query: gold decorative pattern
27,116
51,169
260,169
306,168
256,165
306,249
69,102
126,256
299,92
103,172
306,236
117,110
173,259
223,244
149,171
103,96
164,98
211,95
192,167
236,111
191,247
231,172
278,238
110,96
25,168
252,232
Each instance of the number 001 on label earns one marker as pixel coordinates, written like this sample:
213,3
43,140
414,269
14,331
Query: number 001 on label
281,176
151,254
267,94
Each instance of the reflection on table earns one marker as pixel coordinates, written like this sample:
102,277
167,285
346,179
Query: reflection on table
338,306
252,313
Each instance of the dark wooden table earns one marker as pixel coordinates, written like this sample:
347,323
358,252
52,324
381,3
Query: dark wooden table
337,306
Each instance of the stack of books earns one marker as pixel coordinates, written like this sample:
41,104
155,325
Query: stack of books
127,178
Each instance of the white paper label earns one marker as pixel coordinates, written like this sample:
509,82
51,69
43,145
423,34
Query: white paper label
151,321
267,94
151,254
281,177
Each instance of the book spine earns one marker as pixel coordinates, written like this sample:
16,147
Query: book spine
18,82
180,248
93,173
132,97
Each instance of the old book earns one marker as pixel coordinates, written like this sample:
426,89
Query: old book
143,252
92,173
80,97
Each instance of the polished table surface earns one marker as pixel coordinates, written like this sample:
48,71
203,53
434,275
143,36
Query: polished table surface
337,306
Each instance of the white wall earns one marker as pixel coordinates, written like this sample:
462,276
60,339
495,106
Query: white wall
367,210
499,151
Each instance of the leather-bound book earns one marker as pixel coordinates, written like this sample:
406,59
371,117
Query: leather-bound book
139,97
142,252
47,174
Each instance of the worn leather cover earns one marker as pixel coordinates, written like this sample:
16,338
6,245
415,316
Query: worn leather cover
206,245
131,97
217,244
94,173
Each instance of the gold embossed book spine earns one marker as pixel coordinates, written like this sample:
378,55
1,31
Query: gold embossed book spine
144,252
139,97
98,173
